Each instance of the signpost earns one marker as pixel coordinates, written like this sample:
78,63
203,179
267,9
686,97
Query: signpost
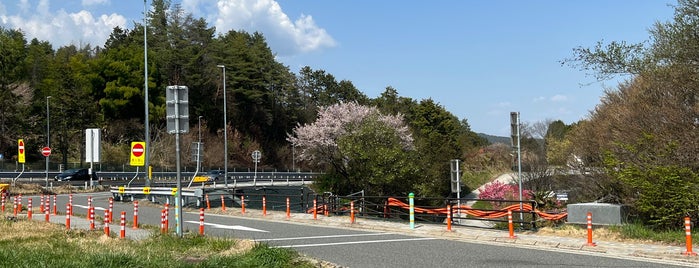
177,108
256,155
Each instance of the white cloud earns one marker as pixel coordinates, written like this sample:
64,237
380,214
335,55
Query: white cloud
94,2
559,98
61,28
540,98
286,37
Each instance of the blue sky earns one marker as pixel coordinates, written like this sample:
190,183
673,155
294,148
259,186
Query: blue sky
481,59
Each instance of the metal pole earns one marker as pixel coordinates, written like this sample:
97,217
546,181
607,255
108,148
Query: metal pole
145,92
519,169
48,138
178,196
225,129
199,146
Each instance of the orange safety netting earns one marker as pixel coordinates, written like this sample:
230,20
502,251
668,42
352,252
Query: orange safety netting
393,202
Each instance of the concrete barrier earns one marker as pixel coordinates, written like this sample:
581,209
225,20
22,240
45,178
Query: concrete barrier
602,213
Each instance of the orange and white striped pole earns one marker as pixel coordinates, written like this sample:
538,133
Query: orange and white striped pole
29,208
242,204
91,216
325,210
14,206
41,203
201,221
111,209
162,221
70,202
208,204
315,210
68,216
106,223
55,208
46,210
589,230
510,224
288,209
19,203
688,238
449,217
264,205
351,211
223,203
135,214
122,225
3,201
167,218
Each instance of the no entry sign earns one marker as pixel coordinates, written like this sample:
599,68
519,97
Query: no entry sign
138,153
46,151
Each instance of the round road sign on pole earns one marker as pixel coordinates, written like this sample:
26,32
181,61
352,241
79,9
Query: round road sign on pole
46,151
137,150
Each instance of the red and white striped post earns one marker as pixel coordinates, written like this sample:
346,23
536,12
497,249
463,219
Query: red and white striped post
68,216
29,208
242,204
315,210
122,225
89,201
688,236
135,214
264,205
46,210
14,206
41,203
288,209
111,209
351,211
201,221
167,217
91,217
208,204
448,217
19,203
70,202
223,203
510,225
162,221
325,210
3,201
106,223
589,230
55,207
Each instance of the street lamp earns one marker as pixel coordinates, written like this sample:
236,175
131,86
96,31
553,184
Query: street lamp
48,139
225,129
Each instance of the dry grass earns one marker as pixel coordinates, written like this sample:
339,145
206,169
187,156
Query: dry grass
600,233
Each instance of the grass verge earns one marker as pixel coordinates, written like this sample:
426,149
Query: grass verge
37,244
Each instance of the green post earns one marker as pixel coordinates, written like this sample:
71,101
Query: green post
411,197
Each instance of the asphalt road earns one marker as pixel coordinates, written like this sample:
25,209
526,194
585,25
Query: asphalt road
361,248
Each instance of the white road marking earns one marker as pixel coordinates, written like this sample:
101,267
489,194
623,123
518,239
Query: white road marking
318,237
356,242
230,227
85,207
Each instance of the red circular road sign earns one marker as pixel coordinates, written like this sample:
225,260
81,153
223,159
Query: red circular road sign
46,151
137,150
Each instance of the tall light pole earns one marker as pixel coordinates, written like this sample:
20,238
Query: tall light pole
225,128
145,92
48,138
199,147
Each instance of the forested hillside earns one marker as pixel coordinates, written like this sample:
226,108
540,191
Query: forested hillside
67,89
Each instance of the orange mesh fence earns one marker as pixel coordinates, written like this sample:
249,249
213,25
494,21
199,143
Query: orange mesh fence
393,202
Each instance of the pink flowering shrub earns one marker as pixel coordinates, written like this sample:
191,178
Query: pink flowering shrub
499,191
